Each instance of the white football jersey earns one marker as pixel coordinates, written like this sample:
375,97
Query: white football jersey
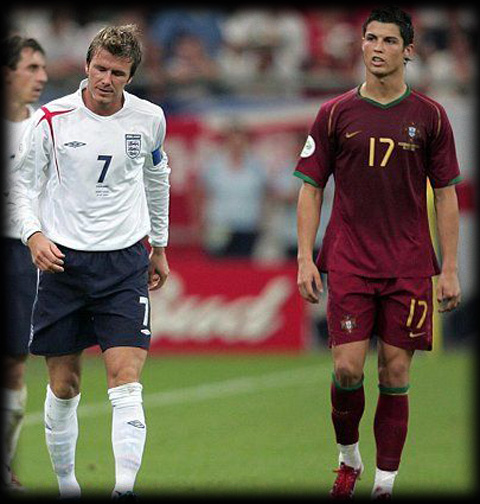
14,131
102,182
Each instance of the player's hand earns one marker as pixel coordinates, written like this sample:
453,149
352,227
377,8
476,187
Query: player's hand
45,254
309,281
158,270
448,291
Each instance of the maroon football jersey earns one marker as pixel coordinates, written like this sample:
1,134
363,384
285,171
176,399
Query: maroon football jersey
380,157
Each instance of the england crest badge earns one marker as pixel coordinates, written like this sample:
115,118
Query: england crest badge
133,145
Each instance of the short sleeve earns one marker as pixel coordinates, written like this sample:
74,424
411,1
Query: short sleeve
315,163
442,164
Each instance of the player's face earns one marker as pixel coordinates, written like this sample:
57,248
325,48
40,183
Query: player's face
107,77
26,83
383,49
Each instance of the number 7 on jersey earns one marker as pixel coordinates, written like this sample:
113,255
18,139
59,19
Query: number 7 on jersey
107,160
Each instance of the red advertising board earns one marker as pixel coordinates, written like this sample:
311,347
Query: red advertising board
228,306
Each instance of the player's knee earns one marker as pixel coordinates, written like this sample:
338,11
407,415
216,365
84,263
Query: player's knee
122,376
347,373
395,374
66,388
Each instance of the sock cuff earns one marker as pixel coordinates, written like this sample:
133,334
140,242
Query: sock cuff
60,408
393,390
126,395
337,385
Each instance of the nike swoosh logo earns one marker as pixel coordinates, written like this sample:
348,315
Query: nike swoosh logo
352,134
416,335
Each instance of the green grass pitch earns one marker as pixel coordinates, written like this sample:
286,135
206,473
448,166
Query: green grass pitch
258,425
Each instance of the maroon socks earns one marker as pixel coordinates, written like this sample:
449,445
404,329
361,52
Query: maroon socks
390,426
348,405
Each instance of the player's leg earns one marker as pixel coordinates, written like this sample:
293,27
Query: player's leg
404,325
391,416
124,366
350,317
348,399
14,403
61,424
122,324
20,284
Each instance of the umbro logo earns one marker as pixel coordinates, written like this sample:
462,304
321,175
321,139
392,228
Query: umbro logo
74,144
137,424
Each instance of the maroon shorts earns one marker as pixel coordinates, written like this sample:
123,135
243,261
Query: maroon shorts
397,310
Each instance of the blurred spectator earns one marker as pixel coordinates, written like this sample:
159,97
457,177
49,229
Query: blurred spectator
285,188
264,43
332,40
168,24
444,40
234,183
191,74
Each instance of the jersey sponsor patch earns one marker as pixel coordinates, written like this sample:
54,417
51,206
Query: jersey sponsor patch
309,147
133,145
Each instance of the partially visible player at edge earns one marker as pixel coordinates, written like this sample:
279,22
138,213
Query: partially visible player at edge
24,77
94,160
381,142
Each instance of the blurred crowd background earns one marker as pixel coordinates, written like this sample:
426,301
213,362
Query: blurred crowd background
211,54
240,88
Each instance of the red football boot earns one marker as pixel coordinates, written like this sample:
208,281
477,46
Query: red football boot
345,482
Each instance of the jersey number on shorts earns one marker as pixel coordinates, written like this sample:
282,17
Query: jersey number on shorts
144,300
414,306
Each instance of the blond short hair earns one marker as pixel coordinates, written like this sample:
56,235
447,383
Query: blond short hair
121,41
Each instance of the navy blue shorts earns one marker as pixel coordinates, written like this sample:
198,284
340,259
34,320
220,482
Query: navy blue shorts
19,289
100,298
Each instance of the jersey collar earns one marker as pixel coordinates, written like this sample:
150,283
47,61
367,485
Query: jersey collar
385,105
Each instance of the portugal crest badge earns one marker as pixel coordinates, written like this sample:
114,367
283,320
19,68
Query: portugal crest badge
348,323
133,145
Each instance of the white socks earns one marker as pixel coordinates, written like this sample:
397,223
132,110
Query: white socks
61,432
350,455
383,482
128,437
128,433
14,412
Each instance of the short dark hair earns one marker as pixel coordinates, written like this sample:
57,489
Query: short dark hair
13,47
121,41
395,15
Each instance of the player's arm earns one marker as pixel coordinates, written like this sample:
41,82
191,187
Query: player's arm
28,181
447,216
156,176
157,186
309,205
